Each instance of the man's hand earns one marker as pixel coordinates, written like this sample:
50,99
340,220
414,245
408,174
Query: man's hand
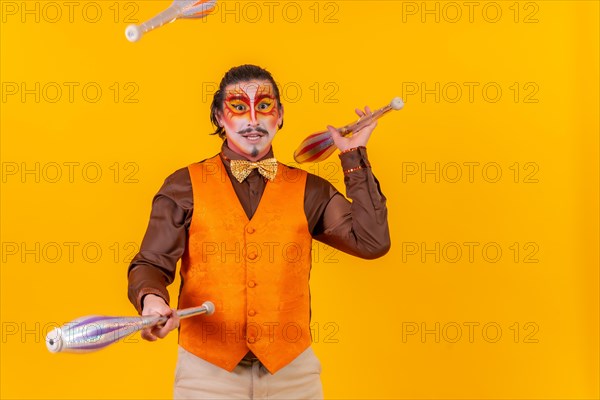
155,305
357,139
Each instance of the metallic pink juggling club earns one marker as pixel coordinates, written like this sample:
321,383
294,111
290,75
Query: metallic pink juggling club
318,146
91,333
178,9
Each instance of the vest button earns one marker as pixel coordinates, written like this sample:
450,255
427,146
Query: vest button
250,230
251,283
251,313
252,256
251,339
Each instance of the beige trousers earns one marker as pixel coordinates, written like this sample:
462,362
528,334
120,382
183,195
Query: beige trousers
199,379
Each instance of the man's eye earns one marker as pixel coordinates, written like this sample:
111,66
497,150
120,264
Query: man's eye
265,106
237,107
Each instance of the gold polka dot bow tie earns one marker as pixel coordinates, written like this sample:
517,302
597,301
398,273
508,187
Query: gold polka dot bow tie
242,168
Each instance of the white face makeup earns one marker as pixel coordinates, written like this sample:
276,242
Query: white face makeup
250,117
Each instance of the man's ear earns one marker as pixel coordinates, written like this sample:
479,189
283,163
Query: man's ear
280,120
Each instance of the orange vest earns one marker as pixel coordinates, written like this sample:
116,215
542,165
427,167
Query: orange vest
255,271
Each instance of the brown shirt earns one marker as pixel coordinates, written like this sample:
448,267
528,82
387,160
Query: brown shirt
359,228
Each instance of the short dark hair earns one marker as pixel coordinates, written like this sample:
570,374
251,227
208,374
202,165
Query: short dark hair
235,75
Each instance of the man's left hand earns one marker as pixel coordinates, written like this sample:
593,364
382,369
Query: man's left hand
357,139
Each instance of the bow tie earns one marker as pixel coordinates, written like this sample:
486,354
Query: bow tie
242,168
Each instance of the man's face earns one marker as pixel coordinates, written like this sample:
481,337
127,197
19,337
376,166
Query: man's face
250,117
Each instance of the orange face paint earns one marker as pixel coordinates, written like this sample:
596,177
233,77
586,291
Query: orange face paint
250,117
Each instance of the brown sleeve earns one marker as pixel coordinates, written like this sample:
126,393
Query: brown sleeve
359,227
154,267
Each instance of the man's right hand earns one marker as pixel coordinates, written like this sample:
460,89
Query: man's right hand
155,305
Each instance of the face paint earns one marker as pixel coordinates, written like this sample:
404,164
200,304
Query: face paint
250,118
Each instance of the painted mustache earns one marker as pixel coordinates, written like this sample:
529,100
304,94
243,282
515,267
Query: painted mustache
253,130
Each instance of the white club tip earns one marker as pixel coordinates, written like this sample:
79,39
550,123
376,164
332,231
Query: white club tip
397,103
54,341
210,307
133,33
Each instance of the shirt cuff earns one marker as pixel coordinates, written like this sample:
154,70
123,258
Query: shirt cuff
355,159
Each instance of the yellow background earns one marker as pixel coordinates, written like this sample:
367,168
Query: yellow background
349,54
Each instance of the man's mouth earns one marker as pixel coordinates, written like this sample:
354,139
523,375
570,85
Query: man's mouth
253,135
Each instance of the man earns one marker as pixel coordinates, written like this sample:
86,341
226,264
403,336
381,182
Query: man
243,232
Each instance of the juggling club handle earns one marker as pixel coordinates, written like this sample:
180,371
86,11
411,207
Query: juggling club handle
133,33
395,104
